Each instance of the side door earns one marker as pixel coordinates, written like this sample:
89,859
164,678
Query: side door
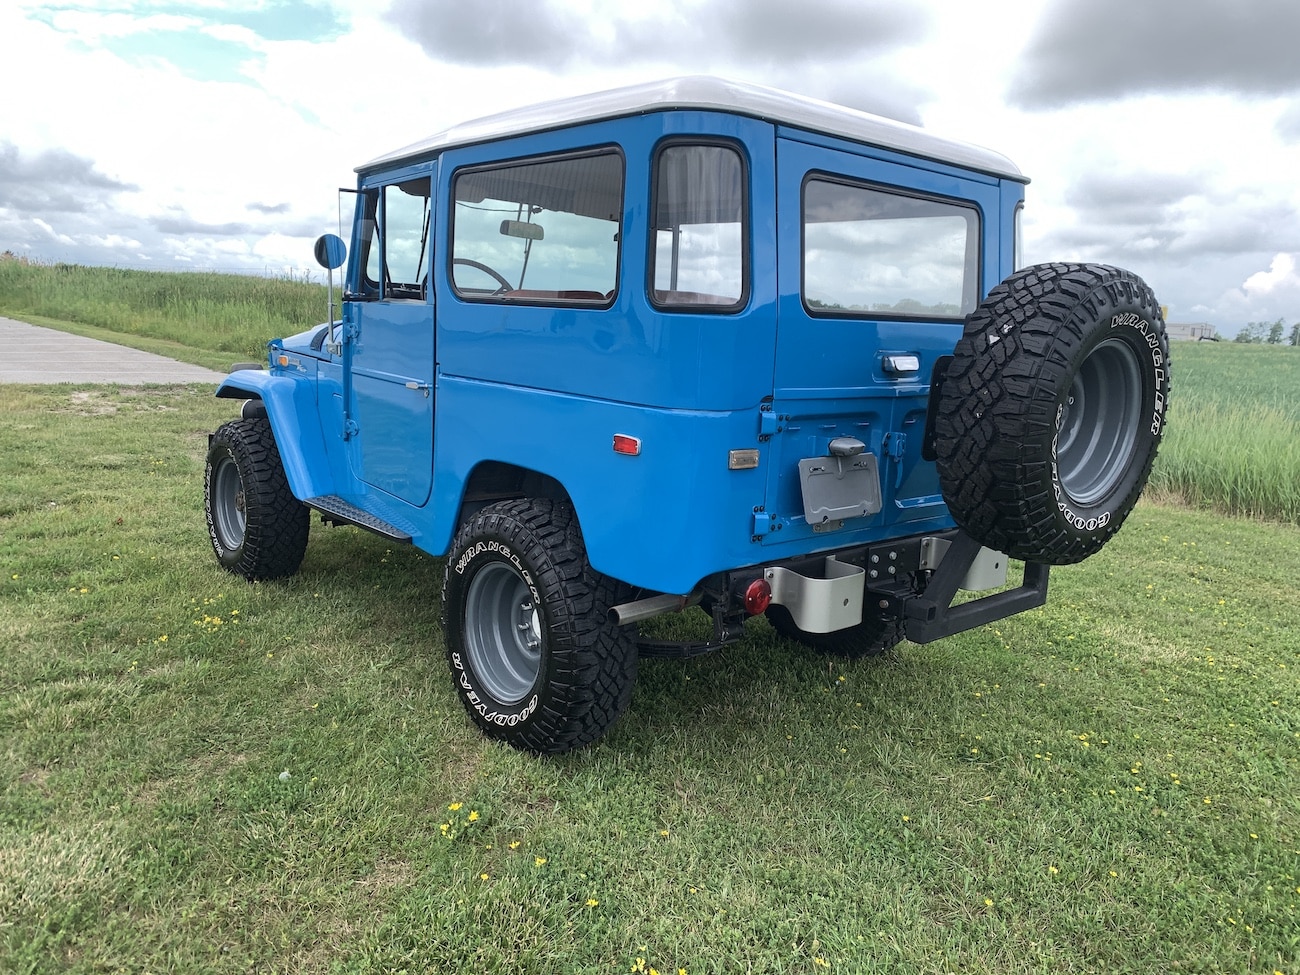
879,262
389,369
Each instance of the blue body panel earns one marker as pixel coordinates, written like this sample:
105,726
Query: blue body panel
436,388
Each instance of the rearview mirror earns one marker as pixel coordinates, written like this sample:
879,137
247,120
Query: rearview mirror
517,228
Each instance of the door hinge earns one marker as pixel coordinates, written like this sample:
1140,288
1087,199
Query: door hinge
350,429
895,447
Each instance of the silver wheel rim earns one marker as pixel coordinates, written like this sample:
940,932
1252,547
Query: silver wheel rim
1098,433
503,632
229,509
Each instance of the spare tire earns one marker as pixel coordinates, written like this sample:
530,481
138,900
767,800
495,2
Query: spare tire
1051,411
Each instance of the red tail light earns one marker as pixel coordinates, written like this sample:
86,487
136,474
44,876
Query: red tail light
758,596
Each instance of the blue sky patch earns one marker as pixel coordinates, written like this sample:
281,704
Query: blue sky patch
195,53
291,20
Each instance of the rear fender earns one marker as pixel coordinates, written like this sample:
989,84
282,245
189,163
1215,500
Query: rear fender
291,407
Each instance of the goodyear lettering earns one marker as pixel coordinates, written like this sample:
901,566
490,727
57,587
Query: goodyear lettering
476,702
1077,521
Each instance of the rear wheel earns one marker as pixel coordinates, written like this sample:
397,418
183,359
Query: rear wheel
1052,410
535,660
258,529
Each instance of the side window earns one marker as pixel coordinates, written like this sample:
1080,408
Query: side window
698,242
539,231
405,230
393,233
869,250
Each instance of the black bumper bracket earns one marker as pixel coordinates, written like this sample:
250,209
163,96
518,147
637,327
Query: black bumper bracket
931,615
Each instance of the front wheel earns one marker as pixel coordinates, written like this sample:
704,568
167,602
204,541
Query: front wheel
257,527
535,660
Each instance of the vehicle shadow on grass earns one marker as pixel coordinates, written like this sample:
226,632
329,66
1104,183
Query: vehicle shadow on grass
762,687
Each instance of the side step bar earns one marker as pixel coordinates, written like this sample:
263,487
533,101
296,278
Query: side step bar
337,511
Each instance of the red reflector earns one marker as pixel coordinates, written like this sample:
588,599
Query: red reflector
758,596
623,444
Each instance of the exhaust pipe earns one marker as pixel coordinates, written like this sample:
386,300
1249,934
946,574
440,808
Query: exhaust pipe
644,609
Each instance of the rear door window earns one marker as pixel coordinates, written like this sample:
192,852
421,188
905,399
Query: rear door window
870,251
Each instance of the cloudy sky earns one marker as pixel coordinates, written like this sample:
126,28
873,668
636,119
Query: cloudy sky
1162,135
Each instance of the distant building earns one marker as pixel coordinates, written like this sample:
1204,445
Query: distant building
1189,331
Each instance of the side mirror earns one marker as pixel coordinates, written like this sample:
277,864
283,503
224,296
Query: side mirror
331,252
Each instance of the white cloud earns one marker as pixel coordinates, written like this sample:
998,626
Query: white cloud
1280,277
1196,190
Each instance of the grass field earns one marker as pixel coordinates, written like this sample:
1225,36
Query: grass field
201,775
1233,439
206,776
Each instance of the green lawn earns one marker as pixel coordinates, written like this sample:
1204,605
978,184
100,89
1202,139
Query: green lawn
202,775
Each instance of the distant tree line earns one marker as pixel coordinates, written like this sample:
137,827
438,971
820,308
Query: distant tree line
1269,333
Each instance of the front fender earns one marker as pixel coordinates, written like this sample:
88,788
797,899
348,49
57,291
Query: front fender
295,421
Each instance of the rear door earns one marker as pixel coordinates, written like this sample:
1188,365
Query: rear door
879,262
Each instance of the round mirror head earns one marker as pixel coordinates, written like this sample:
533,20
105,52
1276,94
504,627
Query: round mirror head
331,252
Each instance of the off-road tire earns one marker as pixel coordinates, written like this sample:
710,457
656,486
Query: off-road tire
533,655
257,527
1052,410
870,638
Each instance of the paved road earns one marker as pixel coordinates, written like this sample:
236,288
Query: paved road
31,354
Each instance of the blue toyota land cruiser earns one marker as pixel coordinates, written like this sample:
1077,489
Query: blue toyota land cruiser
693,344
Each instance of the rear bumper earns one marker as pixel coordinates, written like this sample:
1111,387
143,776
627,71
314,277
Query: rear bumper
833,592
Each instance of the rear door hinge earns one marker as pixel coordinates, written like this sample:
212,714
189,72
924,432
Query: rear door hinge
895,445
895,448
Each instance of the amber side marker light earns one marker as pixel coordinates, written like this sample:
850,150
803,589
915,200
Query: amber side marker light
623,444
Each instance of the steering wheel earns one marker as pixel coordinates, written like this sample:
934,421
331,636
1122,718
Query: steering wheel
480,266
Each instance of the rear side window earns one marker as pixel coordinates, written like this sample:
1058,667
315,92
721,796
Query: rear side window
698,242
543,231
866,249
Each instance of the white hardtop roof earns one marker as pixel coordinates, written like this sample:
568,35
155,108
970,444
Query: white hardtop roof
710,94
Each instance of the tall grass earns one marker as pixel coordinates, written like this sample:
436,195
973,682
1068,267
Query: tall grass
1232,443
216,312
